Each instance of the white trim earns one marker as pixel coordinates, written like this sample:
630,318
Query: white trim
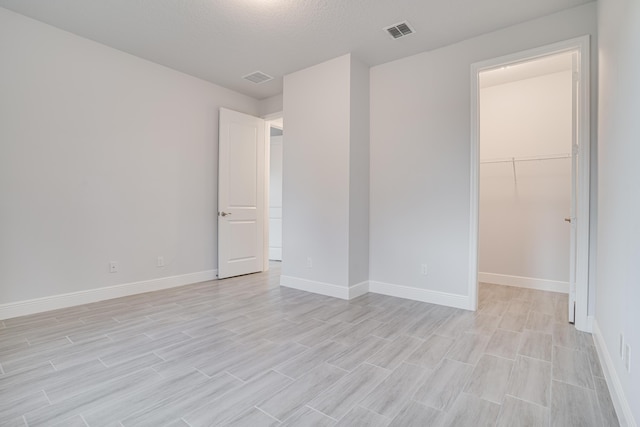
275,254
524,282
418,294
267,178
54,302
358,289
274,116
580,44
590,322
620,402
321,288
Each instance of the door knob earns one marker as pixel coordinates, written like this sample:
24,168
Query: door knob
568,219
224,213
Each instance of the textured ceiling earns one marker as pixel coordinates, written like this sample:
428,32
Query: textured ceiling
223,40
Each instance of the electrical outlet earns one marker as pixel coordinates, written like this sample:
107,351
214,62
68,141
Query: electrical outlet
113,267
627,357
309,262
423,269
621,348
160,262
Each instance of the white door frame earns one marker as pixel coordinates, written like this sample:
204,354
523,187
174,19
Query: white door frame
268,123
580,45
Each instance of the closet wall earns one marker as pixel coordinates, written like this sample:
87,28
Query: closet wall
524,240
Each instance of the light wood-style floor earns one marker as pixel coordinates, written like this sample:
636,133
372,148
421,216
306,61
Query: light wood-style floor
246,352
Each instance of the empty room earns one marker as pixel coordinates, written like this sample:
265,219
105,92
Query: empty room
319,213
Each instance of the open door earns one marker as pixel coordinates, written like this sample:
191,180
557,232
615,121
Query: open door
241,194
572,220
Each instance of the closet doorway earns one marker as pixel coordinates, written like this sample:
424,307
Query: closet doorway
275,189
530,147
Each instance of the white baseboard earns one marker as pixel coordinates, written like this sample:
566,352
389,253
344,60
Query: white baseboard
275,254
358,289
328,289
417,294
524,282
590,320
620,402
54,302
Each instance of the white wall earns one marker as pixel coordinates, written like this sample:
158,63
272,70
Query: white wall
359,174
275,198
270,105
420,150
618,266
522,231
316,173
103,157
326,178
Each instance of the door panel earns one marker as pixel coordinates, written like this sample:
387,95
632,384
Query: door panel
240,194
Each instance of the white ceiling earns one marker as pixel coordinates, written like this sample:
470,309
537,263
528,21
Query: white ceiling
223,40
527,70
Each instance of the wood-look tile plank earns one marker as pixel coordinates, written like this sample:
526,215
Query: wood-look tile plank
442,387
573,406
531,381
489,378
390,396
113,412
360,417
117,389
308,417
572,367
238,400
537,345
539,322
167,411
284,403
82,382
357,353
468,348
336,401
415,414
470,410
394,353
12,407
607,410
430,353
311,358
513,321
504,344
261,361
351,334
252,418
518,413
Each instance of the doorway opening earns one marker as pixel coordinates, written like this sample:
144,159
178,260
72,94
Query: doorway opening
530,173
274,198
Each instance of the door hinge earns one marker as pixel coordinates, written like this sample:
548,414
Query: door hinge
576,76
575,149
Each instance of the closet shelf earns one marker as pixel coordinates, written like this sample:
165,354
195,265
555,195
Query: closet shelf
526,159
513,161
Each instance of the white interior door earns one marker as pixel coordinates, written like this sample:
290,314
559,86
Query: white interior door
241,194
574,190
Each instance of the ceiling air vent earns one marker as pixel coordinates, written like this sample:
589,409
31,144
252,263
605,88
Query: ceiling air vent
258,77
399,30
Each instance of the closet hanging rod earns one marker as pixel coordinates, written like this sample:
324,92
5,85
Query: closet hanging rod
526,159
